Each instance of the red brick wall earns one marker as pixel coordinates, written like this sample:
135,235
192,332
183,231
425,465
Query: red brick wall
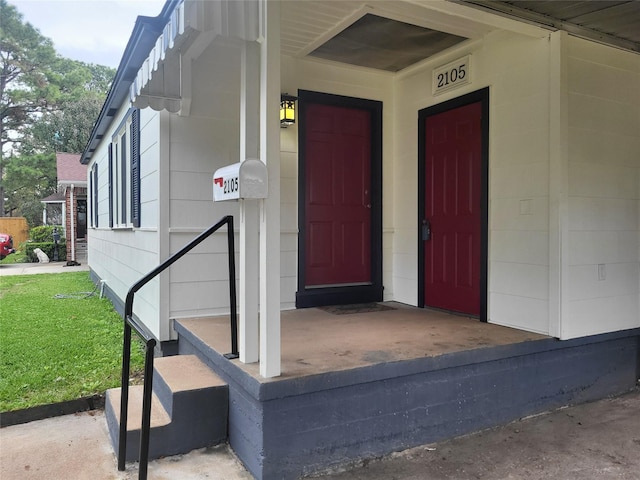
77,192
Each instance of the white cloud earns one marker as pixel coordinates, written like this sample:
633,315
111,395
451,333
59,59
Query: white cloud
93,31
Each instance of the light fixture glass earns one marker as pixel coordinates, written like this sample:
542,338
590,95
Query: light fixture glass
287,110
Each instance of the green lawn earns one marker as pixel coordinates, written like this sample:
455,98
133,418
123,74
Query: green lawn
18,257
56,349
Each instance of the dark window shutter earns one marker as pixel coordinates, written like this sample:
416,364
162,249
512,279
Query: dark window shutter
135,168
123,179
111,185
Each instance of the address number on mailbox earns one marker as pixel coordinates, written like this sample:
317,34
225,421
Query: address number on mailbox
229,185
247,179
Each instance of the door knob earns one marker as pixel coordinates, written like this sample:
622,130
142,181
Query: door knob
426,230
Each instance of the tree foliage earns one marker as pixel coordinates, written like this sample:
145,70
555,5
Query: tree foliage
29,179
65,126
25,74
48,104
25,88
66,129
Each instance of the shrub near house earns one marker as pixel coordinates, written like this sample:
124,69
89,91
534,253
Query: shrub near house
42,237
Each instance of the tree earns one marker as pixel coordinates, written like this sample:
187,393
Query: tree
66,129
48,103
25,80
101,78
29,179
66,126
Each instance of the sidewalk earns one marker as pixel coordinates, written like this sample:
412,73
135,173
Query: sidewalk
599,440
34,268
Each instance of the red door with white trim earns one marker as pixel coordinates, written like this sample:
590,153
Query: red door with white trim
452,223
338,196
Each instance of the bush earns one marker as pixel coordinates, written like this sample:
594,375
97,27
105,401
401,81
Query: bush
44,234
46,247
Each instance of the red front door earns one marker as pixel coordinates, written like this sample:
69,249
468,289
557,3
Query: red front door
453,166
338,196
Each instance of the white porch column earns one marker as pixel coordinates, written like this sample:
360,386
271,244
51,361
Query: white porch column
249,209
558,185
270,207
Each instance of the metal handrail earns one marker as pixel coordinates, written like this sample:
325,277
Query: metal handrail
131,323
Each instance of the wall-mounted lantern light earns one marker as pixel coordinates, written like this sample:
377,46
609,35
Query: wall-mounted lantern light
287,110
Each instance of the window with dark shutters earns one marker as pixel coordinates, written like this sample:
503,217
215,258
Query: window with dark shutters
124,173
135,168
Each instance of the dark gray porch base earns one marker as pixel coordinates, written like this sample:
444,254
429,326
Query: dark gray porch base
286,428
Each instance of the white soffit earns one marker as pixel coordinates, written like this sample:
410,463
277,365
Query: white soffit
158,84
306,25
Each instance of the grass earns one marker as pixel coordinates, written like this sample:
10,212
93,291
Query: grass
57,349
18,257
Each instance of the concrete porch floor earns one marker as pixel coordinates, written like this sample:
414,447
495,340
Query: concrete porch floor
315,341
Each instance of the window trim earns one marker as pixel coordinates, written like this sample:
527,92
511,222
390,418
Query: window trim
124,173
93,187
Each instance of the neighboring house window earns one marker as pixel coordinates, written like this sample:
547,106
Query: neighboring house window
124,173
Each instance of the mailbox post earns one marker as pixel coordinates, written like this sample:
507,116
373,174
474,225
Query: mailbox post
245,182
56,239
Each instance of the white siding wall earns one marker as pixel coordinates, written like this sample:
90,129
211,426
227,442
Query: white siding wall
120,257
289,215
516,69
604,189
200,144
538,279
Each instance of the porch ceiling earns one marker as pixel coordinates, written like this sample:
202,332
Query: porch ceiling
392,35
382,34
611,22
385,44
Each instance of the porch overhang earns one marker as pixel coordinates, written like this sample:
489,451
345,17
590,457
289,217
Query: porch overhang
162,81
57,197
157,84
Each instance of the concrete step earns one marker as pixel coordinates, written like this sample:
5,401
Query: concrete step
189,409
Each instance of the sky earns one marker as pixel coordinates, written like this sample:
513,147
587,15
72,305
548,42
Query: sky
92,31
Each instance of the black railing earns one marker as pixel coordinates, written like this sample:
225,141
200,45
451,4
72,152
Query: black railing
131,323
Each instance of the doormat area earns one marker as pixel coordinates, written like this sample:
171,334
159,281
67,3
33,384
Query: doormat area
356,308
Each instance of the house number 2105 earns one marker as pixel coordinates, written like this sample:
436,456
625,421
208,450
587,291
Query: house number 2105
230,185
451,75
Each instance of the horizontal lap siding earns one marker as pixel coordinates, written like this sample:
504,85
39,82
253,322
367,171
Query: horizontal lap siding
208,139
604,189
516,69
120,257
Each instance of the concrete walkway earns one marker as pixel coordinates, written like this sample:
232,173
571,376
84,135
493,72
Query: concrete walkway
76,447
599,440
34,268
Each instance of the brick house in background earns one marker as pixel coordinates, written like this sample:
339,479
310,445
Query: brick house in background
72,195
